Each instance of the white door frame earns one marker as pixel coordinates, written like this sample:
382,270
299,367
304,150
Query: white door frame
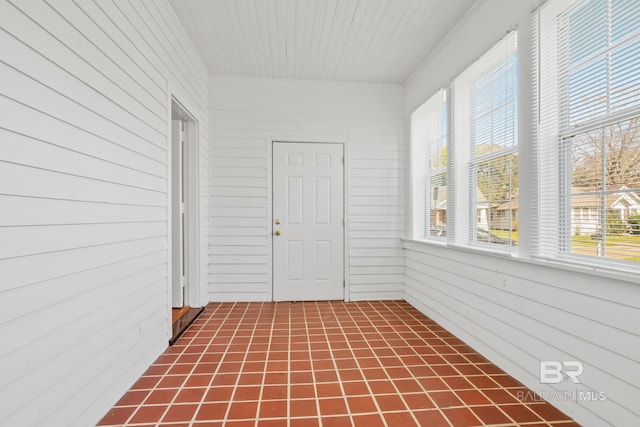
340,139
192,206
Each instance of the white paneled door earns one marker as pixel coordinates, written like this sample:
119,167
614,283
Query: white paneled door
308,221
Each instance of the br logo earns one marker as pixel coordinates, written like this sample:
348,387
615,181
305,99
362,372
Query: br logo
553,372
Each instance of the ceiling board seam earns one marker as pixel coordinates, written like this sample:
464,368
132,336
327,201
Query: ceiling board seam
353,17
443,42
391,37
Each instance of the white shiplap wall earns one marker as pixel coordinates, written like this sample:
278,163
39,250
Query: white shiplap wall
84,108
518,312
246,113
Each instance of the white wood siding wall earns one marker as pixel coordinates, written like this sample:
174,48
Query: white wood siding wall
84,107
245,114
517,312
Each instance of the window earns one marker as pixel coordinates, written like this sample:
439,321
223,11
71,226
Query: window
429,167
485,146
588,133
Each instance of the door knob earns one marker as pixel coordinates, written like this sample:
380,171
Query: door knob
277,232
277,222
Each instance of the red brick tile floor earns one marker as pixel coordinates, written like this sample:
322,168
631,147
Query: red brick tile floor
313,364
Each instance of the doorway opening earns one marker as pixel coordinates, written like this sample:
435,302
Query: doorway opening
184,279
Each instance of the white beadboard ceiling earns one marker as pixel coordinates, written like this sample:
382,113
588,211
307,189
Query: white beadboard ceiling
380,41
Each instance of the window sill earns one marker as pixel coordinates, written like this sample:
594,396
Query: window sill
627,275
481,250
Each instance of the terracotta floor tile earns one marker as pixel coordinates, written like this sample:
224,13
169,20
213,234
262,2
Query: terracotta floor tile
398,373
117,416
247,393
445,399
421,371
433,384
208,424
334,406
482,381
346,364
350,375
218,394
457,383
277,366
280,422
326,376
404,419
273,409
162,396
301,377
468,369
353,388
390,402
370,420
472,397
520,413
374,374
417,401
431,418
132,397
148,414
499,396
198,380
276,378
382,386
361,404
461,417
330,363
490,415
328,390
273,392
336,421
212,411
224,379
240,423
146,383
243,410
407,385
368,362
189,395
177,413
303,408
548,412
250,379
304,422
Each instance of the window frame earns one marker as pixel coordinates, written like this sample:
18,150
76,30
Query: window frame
565,132
465,163
422,138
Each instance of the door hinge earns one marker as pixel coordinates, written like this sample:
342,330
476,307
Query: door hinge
344,283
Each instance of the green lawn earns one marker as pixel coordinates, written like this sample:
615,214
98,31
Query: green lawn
612,240
582,240
629,246
505,234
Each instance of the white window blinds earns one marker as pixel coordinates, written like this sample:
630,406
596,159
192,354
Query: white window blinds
429,167
588,130
485,148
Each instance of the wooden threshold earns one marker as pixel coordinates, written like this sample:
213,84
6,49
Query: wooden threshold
181,319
